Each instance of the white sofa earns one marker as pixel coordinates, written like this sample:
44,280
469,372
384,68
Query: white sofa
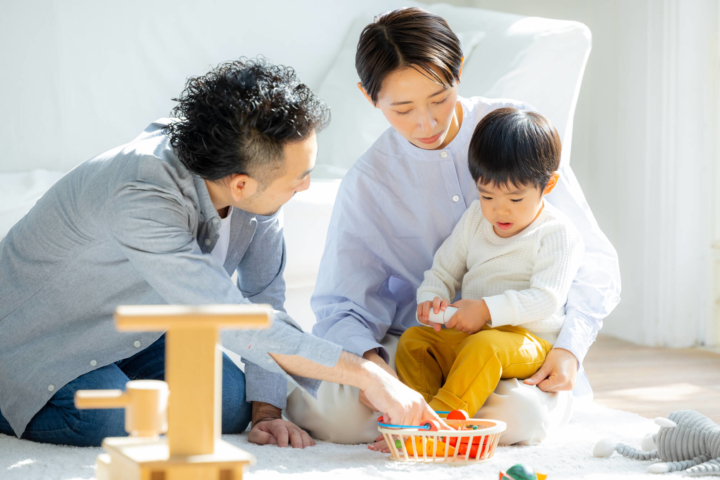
83,77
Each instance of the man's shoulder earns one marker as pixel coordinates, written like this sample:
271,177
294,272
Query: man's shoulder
149,162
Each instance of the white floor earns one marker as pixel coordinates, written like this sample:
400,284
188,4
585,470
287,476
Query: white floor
566,455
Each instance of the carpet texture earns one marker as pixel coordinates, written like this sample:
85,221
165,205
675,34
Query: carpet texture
566,455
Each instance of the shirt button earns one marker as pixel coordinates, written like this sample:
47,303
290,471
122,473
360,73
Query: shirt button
443,154
456,198
51,388
137,344
208,242
216,220
93,363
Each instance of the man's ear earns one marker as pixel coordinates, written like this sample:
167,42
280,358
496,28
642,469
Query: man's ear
242,187
552,183
366,95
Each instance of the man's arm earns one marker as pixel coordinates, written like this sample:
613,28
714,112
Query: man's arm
595,291
260,280
150,226
400,404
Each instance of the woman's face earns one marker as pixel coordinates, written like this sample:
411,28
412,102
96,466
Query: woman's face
422,111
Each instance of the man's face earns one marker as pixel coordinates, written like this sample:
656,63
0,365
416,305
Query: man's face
292,176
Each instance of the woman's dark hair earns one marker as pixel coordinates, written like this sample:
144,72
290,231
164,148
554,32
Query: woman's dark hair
511,146
238,117
408,37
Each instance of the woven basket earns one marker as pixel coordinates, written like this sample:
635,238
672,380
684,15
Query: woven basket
479,444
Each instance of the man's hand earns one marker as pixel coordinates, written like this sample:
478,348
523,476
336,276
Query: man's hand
471,317
400,404
373,356
557,373
268,428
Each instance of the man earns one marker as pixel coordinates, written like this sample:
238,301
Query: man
167,218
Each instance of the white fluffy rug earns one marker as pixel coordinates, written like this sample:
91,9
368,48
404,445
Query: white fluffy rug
566,455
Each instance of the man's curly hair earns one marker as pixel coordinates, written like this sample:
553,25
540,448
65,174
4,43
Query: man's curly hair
238,117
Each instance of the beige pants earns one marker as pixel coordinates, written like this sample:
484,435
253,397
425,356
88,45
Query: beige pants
338,416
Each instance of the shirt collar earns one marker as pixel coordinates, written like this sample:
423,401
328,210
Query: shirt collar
458,144
207,209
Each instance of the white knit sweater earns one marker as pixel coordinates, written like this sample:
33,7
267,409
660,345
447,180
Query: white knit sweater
523,279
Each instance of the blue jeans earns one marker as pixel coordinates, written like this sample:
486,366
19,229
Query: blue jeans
59,422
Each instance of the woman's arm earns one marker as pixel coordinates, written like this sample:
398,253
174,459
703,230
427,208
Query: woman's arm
594,293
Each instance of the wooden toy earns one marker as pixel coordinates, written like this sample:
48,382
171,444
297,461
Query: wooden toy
426,443
188,406
521,472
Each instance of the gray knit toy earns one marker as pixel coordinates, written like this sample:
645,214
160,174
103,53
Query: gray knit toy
686,441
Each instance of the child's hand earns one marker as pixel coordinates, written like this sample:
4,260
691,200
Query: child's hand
423,311
471,317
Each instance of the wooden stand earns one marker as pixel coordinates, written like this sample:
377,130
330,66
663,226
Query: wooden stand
192,448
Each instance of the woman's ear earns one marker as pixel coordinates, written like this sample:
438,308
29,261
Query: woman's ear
366,95
552,183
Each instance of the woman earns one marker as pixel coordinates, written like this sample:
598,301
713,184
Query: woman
397,204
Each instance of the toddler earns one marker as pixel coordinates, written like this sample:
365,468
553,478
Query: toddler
514,256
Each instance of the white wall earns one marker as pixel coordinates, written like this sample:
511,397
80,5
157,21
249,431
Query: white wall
645,155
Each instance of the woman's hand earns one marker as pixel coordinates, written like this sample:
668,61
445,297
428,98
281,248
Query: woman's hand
471,317
558,373
423,311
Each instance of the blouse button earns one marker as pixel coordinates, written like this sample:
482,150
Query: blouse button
208,242
51,388
456,198
443,154
93,363
136,344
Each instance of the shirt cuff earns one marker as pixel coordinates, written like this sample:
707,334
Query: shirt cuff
502,310
285,338
576,337
264,386
426,296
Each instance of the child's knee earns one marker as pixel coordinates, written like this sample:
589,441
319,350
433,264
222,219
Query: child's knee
409,341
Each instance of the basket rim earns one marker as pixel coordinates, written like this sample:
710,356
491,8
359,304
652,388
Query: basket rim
499,427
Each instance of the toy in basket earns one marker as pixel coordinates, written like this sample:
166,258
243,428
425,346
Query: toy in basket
471,441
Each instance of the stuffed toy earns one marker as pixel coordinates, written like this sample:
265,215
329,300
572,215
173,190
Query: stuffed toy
686,441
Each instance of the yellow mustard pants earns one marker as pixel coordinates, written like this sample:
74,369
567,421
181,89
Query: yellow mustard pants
455,370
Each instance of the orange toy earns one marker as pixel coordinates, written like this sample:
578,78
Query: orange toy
429,446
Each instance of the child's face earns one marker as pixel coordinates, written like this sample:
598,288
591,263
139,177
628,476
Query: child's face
509,208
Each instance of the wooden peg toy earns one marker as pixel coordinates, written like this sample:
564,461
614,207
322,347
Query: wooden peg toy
188,406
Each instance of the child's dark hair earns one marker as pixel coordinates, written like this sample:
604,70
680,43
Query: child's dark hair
514,147
407,37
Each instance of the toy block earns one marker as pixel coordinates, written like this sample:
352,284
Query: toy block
187,407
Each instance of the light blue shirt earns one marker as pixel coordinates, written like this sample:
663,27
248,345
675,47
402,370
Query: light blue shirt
396,206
